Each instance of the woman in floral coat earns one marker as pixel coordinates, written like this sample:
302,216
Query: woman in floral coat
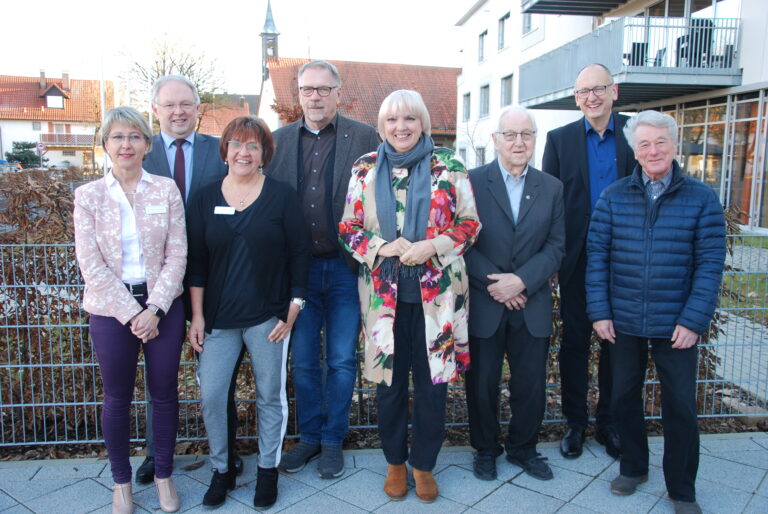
409,217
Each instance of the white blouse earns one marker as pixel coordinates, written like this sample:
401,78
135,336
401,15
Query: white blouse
133,271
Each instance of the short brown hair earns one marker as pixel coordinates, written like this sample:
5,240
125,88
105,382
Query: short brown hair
244,128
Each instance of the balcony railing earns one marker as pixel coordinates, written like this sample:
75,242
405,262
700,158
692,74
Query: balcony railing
676,50
67,139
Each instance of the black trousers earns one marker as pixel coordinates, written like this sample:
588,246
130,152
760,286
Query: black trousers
677,374
527,358
574,355
428,400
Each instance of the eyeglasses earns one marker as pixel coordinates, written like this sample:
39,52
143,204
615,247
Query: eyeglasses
322,90
510,135
236,145
599,91
184,106
131,138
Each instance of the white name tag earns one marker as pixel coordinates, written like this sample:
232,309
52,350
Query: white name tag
156,209
224,209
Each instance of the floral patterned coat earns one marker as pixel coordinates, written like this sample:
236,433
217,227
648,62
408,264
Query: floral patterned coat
453,226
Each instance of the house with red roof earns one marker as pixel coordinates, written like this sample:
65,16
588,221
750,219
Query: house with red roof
216,116
364,87
62,113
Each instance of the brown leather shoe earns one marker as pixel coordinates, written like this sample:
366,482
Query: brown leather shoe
396,483
166,494
122,499
426,487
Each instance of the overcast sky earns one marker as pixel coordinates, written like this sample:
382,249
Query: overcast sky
78,36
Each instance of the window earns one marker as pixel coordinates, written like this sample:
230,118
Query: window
527,23
506,91
480,154
485,92
481,46
69,153
466,109
36,125
463,155
503,30
54,102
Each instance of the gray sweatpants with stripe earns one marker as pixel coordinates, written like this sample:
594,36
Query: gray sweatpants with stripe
268,361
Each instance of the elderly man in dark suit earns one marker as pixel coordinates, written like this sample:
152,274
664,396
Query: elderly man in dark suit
520,247
315,156
586,155
192,161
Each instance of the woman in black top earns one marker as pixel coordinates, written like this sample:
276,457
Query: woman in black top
247,276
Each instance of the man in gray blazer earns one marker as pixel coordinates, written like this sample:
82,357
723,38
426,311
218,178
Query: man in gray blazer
315,156
520,247
192,160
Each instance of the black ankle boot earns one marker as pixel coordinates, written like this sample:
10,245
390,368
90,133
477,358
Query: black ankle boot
266,488
221,483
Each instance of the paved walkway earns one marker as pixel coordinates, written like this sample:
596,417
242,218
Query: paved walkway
733,478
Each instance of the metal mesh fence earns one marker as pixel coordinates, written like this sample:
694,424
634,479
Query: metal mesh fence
50,388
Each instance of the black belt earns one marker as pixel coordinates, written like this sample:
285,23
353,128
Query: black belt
137,289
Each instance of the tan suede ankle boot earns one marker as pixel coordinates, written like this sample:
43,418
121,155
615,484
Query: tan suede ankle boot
396,483
426,487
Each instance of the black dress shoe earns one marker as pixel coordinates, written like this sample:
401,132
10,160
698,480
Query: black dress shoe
146,472
535,466
573,443
484,467
221,484
236,463
608,437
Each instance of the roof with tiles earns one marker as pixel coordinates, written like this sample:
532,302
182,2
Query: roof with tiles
20,99
366,84
216,116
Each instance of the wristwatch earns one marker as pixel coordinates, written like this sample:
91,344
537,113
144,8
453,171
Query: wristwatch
299,301
156,310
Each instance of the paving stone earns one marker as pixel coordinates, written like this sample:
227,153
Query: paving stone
656,447
82,496
505,470
6,501
731,474
135,488
757,505
570,508
762,441
588,465
412,504
445,459
289,491
758,459
729,445
310,476
372,462
762,490
564,486
597,496
30,489
190,494
107,509
511,498
321,502
364,489
717,497
20,474
71,470
231,506
21,509
460,485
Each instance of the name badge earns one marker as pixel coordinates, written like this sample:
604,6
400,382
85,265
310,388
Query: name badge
224,209
156,209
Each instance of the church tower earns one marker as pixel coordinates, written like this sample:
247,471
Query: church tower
268,42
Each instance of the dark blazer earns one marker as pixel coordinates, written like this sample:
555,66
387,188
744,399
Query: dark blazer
565,157
353,140
207,166
532,249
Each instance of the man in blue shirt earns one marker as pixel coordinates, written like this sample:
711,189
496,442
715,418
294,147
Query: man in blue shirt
587,156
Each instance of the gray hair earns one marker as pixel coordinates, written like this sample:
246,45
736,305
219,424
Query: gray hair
516,108
173,78
129,116
320,64
405,101
653,119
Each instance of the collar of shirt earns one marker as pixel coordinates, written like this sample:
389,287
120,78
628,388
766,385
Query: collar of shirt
588,127
168,140
665,180
505,173
112,182
330,126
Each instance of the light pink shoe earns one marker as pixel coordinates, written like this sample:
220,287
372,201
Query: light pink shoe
122,499
166,494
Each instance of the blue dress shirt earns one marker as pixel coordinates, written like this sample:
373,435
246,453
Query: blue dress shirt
601,159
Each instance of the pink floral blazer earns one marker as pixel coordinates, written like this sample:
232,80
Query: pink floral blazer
162,229
452,227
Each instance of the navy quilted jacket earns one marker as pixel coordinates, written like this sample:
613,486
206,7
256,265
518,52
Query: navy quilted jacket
651,267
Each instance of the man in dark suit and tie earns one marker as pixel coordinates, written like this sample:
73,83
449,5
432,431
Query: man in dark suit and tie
315,156
519,248
192,160
587,156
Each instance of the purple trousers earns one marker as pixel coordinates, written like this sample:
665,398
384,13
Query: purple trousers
117,350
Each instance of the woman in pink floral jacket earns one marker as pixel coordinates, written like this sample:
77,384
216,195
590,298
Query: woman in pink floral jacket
131,244
409,216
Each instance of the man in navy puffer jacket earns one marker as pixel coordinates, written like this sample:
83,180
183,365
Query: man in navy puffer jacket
656,249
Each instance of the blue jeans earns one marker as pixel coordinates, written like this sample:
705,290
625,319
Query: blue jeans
332,303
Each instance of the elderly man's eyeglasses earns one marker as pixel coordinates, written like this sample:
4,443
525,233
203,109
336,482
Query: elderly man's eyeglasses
184,106
599,91
236,145
510,135
322,90
131,138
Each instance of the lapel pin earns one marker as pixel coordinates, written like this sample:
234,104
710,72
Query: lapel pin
527,197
